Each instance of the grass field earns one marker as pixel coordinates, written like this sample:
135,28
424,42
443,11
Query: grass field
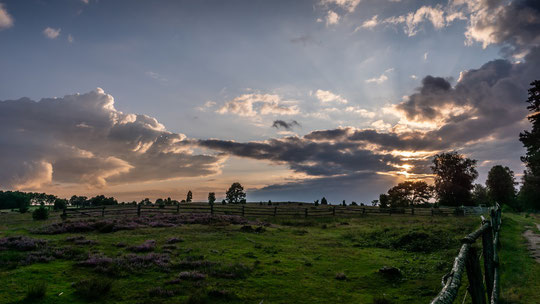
318,260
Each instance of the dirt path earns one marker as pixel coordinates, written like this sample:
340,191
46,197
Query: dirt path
534,243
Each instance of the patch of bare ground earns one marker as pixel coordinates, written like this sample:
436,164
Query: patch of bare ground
534,243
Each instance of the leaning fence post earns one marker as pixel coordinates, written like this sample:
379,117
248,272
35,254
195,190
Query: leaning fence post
474,275
487,244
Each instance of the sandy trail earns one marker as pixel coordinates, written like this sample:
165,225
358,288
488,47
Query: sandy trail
534,243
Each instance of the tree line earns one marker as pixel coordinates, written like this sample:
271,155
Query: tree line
23,200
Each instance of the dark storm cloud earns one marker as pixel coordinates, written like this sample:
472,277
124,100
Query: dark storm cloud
285,125
83,139
515,25
307,156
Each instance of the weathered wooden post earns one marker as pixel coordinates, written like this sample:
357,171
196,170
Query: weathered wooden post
487,245
139,210
364,210
275,211
474,275
103,212
334,210
211,208
243,210
305,212
178,208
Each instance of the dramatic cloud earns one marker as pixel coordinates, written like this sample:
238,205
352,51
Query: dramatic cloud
51,33
285,125
83,139
6,21
250,105
327,97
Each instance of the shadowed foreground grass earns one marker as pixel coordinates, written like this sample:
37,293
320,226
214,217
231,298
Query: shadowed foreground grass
285,261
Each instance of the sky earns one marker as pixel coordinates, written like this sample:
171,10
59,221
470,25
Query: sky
293,99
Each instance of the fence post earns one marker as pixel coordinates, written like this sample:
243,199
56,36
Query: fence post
474,275
432,212
243,211
363,210
305,212
139,210
412,211
275,211
211,208
103,212
487,245
334,210
178,208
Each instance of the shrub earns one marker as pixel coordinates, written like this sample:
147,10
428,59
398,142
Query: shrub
191,275
148,245
36,291
94,288
341,276
60,204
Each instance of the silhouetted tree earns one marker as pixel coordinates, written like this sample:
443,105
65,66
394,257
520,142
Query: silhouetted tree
500,185
480,195
236,194
101,200
409,193
454,176
60,204
189,196
78,201
160,202
529,195
324,201
316,202
211,197
383,200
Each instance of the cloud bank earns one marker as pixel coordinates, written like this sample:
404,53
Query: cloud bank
83,139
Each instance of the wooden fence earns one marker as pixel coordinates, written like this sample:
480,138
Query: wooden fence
253,210
469,259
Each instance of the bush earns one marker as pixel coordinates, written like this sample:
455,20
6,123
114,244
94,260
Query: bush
40,214
36,291
92,289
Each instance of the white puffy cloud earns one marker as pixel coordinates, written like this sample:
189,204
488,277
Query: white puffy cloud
382,78
6,21
332,18
348,5
51,33
251,105
83,139
371,23
412,20
328,97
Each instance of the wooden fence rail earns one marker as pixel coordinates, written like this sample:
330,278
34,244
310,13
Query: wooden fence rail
252,209
469,259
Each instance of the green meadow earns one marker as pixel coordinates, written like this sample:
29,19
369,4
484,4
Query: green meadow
263,260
